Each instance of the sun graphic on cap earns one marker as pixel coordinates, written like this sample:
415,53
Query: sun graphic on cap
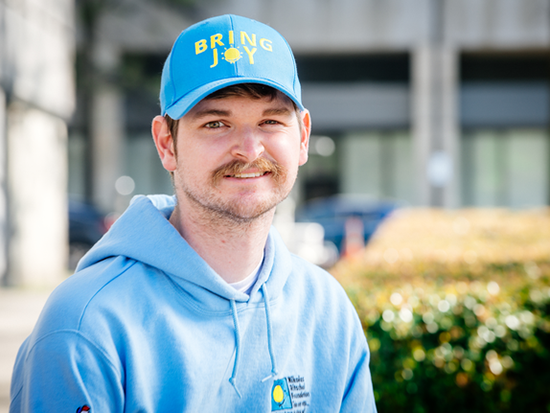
232,55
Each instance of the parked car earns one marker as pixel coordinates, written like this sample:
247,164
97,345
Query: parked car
86,226
360,214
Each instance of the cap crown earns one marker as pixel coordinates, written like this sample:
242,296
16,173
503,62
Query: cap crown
223,51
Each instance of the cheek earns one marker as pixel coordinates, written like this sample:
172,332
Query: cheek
287,151
196,167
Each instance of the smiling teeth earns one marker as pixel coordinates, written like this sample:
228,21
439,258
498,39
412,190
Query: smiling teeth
253,175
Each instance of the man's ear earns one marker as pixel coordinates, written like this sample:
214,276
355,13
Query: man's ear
164,143
304,139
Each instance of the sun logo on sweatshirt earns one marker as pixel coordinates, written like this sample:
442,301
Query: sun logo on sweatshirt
280,396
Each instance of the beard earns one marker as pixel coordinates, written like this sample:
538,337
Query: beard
245,208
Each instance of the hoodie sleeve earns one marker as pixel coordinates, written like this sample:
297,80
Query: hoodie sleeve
359,396
65,372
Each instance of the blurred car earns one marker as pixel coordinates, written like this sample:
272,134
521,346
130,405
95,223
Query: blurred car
86,226
351,215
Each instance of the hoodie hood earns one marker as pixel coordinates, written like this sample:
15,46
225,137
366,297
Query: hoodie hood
144,234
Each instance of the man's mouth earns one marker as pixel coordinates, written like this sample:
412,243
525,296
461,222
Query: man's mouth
241,170
248,175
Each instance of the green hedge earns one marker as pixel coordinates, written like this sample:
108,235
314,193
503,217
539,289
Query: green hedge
453,337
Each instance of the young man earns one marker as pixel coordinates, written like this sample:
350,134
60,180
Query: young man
196,305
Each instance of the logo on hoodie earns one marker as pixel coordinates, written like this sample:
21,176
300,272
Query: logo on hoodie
280,396
83,409
290,392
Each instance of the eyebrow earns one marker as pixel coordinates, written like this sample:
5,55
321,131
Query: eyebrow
277,112
282,111
210,112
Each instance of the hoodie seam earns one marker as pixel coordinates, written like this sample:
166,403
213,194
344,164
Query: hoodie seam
102,352
85,309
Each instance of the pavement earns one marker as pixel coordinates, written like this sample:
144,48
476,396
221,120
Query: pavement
19,310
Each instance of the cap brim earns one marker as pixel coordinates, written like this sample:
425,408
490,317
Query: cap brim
186,103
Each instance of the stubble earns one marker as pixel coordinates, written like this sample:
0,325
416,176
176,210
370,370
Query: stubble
219,210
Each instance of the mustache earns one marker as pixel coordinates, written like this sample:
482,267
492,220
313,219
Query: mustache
237,167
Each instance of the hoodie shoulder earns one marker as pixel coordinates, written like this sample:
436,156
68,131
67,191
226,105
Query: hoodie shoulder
316,288
69,301
313,273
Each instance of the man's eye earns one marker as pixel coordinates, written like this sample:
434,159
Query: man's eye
214,125
271,122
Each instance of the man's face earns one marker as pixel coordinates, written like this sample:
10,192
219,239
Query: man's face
238,157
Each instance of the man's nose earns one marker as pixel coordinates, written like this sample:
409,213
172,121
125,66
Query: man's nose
248,145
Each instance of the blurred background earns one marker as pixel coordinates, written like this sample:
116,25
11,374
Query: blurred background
439,104
426,103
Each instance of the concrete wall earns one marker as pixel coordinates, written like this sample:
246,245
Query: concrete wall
37,100
37,41
125,27
328,26
433,32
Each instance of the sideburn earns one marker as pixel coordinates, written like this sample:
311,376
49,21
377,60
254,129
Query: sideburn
173,128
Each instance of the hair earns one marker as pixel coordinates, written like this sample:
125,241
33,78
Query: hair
249,90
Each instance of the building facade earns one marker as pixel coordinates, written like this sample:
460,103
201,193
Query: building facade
37,99
442,103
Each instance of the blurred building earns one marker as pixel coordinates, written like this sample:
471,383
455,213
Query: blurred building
37,99
430,102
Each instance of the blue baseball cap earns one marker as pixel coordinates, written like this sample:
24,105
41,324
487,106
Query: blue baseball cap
223,51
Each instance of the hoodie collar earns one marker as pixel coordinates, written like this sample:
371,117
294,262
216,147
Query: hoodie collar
143,233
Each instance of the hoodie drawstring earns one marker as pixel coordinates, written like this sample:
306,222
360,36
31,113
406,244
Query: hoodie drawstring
237,347
269,335
274,371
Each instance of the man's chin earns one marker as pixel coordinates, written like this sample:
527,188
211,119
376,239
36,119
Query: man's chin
244,215
236,209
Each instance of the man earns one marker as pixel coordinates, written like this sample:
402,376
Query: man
196,305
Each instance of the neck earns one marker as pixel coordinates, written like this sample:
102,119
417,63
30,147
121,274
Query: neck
232,248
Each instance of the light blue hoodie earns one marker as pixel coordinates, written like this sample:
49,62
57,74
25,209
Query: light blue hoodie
145,325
